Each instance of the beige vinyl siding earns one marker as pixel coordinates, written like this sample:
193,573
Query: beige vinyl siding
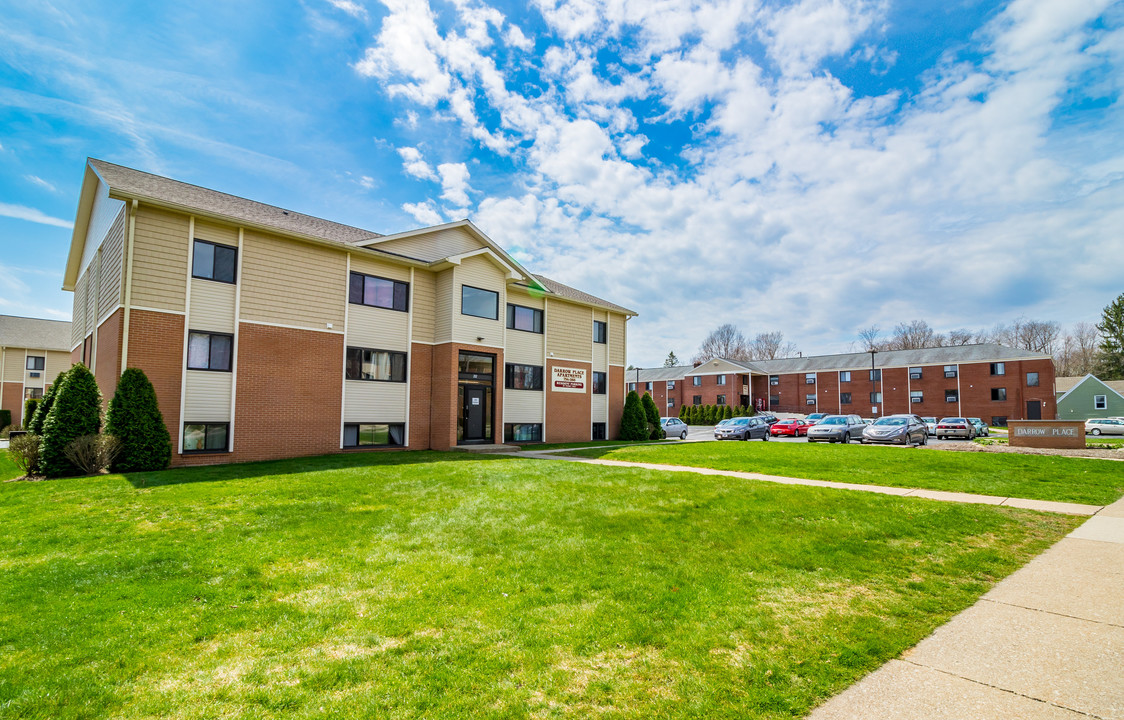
92,295
78,329
36,382
377,328
213,232
289,283
57,362
617,344
522,406
433,246
524,347
479,272
374,402
372,266
207,396
14,364
569,330
103,215
160,253
423,305
212,306
110,283
599,408
445,306
600,356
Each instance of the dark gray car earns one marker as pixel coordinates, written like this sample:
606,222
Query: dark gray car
742,428
901,429
837,428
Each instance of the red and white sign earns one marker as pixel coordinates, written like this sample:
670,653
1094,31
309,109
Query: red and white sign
564,379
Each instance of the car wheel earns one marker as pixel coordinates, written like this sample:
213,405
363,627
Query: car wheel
683,436
846,437
1096,431
924,439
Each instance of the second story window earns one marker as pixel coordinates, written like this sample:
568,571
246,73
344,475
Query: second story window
378,292
209,351
809,378
845,376
998,368
600,331
523,377
950,371
774,379
211,261
524,318
479,302
696,381
35,362
380,365
721,379
915,373
599,382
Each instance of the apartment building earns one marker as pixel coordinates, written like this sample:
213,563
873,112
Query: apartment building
32,354
268,333
988,381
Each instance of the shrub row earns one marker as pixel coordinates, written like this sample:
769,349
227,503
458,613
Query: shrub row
712,414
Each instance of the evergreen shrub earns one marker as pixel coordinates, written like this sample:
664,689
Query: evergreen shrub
135,420
76,411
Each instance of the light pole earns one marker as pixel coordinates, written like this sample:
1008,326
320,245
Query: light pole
873,392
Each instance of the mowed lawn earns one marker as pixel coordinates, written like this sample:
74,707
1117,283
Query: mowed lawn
442,585
1035,477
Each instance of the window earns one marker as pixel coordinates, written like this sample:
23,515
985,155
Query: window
1100,402
845,376
696,381
875,398
844,398
721,400
598,431
206,437
35,362
599,331
380,365
810,399
522,432
721,380
526,377
774,379
29,393
671,402
809,378
999,393
479,302
378,292
524,318
999,420
632,387
373,434
214,262
648,386
696,400
670,384
916,396
950,371
915,373
998,368
471,366
951,396
774,400
1032,379
876,375
600,381
209,351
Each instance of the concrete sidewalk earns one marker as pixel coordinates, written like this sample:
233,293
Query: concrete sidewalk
1047,642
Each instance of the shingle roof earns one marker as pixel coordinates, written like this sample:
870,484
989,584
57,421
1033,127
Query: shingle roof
574,294
660,374
34,333
143,185
1065,384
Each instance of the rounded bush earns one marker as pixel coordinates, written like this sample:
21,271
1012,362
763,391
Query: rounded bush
135,420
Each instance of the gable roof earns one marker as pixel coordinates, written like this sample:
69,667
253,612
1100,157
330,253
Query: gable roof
1063,385
34,333
1094,379
660,374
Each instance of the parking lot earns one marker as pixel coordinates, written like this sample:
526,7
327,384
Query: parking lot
702,433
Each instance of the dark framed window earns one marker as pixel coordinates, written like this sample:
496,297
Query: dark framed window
206,437
951,395
774,379
376,365
999,394
999,420
209,351
998,368
211,261
696,381
523,377
632,387
374,435
915,373
950,371
876,375
875,398
29,393
774,400
374,291
600,383
648,386
845,376
810,399
479,302
600,331
721,380
524,318
916,396
721,400
522,432
670,384
1032,379
696,399
809,378
844,398
671,402
36,362
598,431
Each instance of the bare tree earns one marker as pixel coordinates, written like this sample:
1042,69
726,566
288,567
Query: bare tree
1038,335
724,341
914,335
959,337
870,338
770,345
1076,353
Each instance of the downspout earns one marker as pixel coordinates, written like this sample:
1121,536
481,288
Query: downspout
130,239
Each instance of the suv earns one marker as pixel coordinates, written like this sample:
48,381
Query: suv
837,428
904,429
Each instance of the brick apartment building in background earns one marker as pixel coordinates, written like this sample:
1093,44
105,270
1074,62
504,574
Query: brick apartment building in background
271,334
988,381
32,354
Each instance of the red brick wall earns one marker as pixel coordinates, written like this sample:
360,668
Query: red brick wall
421,386
12,399
108,361
616,391
156,346
444,410
569,415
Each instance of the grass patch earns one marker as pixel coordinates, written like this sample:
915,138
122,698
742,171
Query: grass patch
594,443
8,469
442,585
1035,477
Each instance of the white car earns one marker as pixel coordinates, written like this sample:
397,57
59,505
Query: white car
674,427
1104,426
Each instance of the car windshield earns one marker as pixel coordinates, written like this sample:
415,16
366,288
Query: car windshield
976,421
890,421
962,421
724,423
738,421
834,421
929,419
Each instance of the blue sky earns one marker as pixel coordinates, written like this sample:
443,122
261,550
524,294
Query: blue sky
813,167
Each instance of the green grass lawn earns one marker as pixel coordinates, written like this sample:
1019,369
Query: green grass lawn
8,469
1036,477
442,585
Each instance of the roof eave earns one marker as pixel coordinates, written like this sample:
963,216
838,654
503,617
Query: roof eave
90,180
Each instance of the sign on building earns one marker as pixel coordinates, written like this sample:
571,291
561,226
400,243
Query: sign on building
563,379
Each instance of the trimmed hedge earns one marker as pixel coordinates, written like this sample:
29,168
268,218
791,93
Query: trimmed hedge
634,425
135,420
76,412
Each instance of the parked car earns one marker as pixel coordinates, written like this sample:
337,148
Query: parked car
1104,426
674,427
837,428
794,427
982,430
931,424
742,428
955,427
768,417
815,418
903,429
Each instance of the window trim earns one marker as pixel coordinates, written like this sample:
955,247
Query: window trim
536,314
394,283
359,446
997,368
696,400
916,373
42,364
508,374
604,431
1100,402
951,396
721,400
720,379
604,334
845,376
232,248
696,381
405,367
604,382
845,398
205,450
1036,379
496,313
951,373
1001,392
774,380
209,335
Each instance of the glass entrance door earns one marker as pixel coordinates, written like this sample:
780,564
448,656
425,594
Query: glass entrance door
476,398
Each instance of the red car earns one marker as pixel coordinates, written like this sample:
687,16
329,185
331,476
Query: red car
791,426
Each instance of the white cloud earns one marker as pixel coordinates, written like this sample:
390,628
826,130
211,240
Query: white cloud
424,213
415,165
515,38
367,182
21,212
36,180
353,9
801,35
454,183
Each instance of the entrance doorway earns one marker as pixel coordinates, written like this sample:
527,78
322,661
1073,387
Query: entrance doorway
476,398
1034,410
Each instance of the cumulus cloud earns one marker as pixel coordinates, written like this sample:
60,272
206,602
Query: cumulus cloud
454,183
424,213
414,164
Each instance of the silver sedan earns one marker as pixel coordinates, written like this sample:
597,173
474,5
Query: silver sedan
837,428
